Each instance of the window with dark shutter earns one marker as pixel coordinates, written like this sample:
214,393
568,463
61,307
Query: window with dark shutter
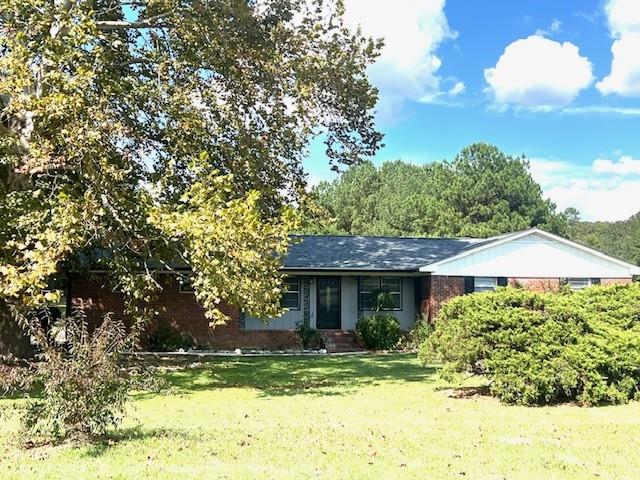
468,284
503,281
484,284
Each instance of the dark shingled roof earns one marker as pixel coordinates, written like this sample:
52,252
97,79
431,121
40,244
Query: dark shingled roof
329,252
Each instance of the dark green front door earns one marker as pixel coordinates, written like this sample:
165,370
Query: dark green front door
328,303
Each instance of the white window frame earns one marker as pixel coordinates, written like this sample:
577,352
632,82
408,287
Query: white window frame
577,284
485,284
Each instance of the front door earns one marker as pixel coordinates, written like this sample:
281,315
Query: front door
328,303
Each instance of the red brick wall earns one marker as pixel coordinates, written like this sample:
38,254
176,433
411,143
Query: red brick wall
553,284
536,284
182,311
437,290
441,290
615,281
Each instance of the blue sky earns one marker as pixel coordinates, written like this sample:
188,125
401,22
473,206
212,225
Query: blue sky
557,81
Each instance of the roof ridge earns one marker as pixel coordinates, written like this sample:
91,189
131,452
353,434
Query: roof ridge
388,237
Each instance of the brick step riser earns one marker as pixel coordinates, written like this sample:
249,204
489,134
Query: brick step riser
339,342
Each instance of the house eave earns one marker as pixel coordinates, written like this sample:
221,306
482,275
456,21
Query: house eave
348,271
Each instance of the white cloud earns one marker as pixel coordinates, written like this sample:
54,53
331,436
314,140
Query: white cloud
408,65
602,110
623,18
625,166
605,190
538,73
624,78
546,172
457,89
599,203
554,27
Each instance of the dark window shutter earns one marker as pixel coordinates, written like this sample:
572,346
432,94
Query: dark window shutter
595,281
468,284
564,281
503,281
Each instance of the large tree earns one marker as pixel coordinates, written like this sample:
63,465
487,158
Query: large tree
482,192
169,130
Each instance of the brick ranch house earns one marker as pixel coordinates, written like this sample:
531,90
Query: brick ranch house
331,282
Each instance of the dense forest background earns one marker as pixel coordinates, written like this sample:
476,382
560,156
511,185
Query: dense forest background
482,192
620,239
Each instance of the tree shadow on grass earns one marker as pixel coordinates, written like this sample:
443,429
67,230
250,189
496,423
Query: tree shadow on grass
295,375
99,446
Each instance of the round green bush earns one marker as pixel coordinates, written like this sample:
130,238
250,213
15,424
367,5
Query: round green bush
540,348
379,332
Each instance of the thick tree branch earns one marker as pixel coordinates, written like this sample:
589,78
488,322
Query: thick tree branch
110,25
136,61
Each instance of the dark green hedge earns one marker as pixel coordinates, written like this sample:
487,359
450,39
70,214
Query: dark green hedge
539,348
379,332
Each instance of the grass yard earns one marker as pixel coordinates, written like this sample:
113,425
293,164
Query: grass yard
336,417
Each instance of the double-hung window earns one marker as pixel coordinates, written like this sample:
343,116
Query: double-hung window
373,290
291,293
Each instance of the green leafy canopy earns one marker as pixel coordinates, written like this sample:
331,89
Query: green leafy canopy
108,106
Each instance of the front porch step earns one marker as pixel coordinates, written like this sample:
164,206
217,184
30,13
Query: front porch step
340,341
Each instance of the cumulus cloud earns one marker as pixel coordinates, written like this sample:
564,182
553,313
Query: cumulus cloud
625,166
547,172
623,18
605,190
407,68
594,202
539,73
457,89
624,78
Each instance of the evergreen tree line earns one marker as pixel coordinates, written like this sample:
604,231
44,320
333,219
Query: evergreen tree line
482,192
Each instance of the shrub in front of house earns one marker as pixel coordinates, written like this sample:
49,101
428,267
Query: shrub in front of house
309,337
166,338
84,386
379,331
540,348
418,335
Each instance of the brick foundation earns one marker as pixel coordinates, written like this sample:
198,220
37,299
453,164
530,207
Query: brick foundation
182,312
615,281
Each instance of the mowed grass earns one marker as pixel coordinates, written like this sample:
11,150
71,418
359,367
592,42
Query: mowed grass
335,417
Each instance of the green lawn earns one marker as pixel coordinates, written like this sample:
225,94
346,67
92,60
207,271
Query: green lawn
336,417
